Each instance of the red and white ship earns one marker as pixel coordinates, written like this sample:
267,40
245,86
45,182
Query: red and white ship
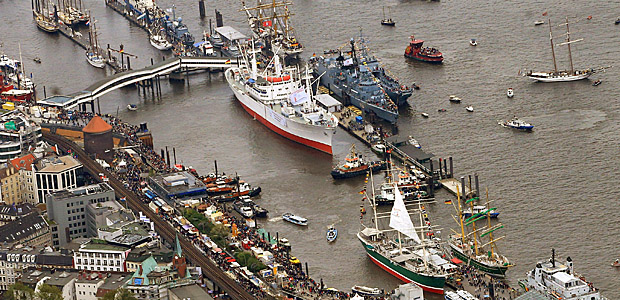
277,98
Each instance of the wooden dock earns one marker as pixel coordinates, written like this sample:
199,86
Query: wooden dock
453,185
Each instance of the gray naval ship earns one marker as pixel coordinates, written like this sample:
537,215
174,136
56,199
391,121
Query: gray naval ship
354,82
399,93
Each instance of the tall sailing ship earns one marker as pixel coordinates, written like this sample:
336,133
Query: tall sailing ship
271,23
93,53
410,253
46,19
560,75
278,99
468,246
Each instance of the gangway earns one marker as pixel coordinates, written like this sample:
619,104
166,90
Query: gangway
120,80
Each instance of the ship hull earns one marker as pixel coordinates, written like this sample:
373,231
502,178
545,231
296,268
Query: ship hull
561,78
432,60
428,283
491,270
319,138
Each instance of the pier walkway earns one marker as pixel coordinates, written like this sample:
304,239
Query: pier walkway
120,80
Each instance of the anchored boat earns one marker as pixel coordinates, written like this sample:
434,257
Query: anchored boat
410,253
558,280
468,245
93,53
354,165
278,99
347,77
366,291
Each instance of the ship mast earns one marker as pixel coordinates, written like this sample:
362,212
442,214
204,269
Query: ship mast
568,42
458,197
374,206
555,65
489,223
474,227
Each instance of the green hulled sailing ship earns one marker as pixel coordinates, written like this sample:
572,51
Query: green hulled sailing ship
468,244
411,254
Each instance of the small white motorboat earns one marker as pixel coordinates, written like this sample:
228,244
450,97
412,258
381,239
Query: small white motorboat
424,115
95,60
160,42
132,107
295,219
469,108
414,143
455,99
539,23
332,234
473,42
510,93
616,263
517,124
366,291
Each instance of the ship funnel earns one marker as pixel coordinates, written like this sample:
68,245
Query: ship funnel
553,257
569,263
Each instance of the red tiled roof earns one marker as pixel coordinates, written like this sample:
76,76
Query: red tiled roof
97,125
25,162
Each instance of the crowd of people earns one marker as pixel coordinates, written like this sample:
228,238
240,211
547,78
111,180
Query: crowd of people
479,283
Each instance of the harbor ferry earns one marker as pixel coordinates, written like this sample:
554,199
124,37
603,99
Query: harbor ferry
467,245
410,253
278,99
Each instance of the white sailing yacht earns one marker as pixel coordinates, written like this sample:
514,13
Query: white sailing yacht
560,75
93,53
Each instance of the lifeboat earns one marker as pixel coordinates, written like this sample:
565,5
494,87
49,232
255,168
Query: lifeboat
279,79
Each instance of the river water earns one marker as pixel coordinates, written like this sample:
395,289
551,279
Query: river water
555,188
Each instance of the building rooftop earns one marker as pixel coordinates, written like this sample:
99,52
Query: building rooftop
25,162
115,281
15,210
192,291
178,184
97,125
21,228
83,190
57,164
55,278
97,245
161,255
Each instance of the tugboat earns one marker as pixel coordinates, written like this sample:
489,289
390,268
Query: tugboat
517,124
398,92
348,78
426,54
559,281
354,166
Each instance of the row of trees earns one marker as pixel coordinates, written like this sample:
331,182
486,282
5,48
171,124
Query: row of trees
20,291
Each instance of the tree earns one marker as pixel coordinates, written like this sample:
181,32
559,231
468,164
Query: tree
120,294
23,292
48,292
